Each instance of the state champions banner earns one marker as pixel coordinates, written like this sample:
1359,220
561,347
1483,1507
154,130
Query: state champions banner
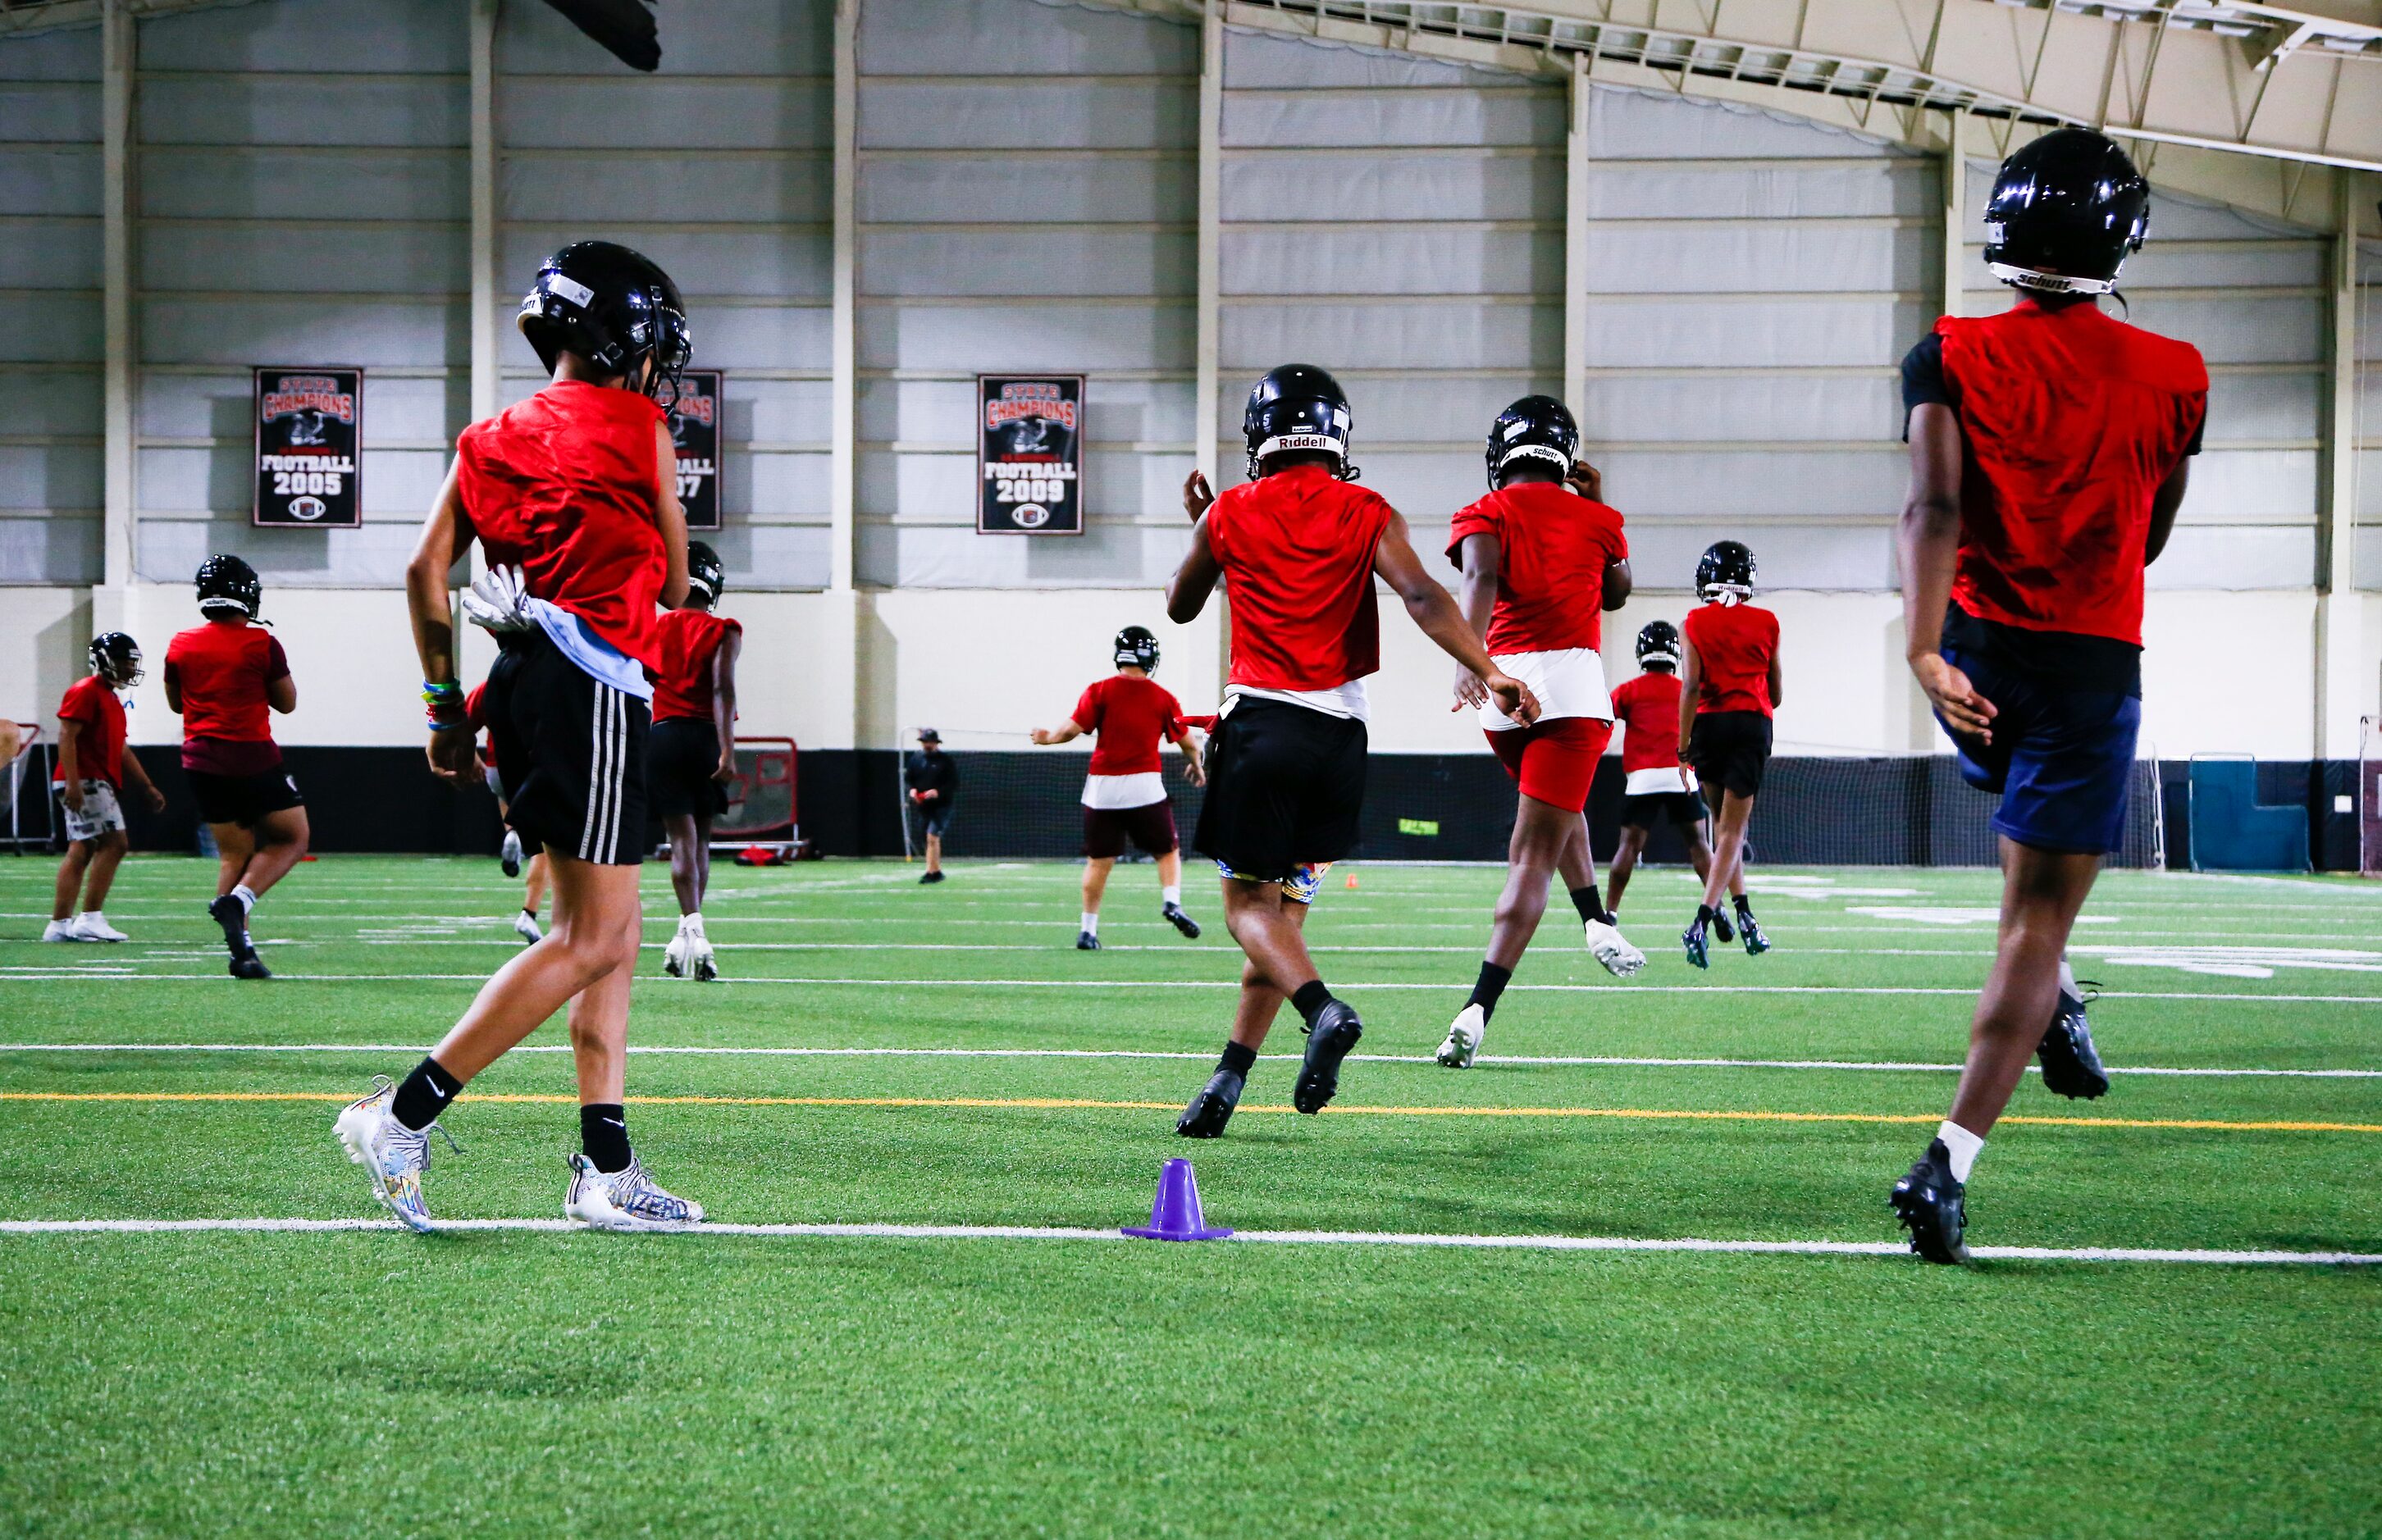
694,433
309,425
1029,454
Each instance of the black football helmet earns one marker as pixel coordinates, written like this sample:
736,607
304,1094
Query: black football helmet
229,585
115,658
1297,407
2066,212
1658,641
1726,567
1137,646
1535,427
613,308
705,573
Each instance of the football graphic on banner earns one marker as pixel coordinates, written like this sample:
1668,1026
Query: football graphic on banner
1029,454
309,425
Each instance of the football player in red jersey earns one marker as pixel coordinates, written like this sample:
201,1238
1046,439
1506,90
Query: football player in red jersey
1298,547
690,757
1655,783
2050,447
1124,789
1542,558
227,677
572,496
1733,685
89,779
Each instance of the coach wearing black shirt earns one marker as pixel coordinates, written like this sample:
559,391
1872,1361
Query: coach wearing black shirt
933,778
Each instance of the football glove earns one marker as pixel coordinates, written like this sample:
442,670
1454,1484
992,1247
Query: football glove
497,602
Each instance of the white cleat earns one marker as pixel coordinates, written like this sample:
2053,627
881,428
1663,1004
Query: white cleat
62,930
510,856
674,956
91,925
525,926
705,965
628,1200
1464,1035
1609,947
393,1156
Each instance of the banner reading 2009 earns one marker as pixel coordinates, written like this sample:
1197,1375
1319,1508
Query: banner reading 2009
1029,454
309,423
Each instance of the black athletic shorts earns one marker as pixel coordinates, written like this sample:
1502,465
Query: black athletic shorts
1682,808
243,799
1149,827
571,751
1285,788
680,757
1730,750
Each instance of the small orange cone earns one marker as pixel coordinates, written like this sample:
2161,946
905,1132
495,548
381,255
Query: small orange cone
1351,879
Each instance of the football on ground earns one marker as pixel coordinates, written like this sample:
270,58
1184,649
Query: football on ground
1634,1271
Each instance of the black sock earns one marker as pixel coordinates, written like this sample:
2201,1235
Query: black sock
1590,906
1742,906
1239,1057
1706,914
424,1095
1310,1000
604,1134
1492,984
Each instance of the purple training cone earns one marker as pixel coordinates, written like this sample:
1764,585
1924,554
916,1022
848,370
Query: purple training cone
1175,1215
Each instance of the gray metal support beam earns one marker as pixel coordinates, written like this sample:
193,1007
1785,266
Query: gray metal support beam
2342,692
1955,280
487,351
1209,330
1576,169
844,326
119,44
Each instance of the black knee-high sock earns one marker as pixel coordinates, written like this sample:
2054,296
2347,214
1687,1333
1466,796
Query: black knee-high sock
1239,1057
1744,905
1310,1000
1491,985
424,1095
1589,904
603,1135
1706,914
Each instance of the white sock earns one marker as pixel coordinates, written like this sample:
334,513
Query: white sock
2067,980
691,923
246,899
1172,895
1964,1147
93,914
1091,923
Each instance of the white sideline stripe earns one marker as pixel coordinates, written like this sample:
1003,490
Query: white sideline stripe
1559,1060
1279,1237
1353,985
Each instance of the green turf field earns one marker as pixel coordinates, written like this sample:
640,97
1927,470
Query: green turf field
520,1380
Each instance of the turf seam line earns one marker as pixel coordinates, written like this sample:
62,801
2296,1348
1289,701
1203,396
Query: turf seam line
1306,1238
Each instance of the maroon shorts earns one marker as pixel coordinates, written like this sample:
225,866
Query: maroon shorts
1554,762
1150,826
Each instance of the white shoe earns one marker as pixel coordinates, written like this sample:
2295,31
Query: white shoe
393,1156
510,856
91,925
525,926
1464,1035
1609,947
704,965
674,956
62,930
628,1200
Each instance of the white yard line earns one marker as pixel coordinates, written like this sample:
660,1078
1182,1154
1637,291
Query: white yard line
1556,1060
1292,1238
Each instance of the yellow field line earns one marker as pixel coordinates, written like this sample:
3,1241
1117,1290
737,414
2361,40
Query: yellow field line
1079,1104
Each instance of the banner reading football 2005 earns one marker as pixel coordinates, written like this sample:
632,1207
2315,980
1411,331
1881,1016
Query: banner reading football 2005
694,433
1029,454
309,423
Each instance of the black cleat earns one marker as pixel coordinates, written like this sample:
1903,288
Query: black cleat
1212,1108
246,964
1755,942
1720,928
1181,922
1329,1040
2071,1066
226,912
1699,952
1086,942
930,877
1933,1207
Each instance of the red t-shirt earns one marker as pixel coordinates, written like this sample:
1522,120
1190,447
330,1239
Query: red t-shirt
562,485
1555,546
688,639
2073,420
1297,553
1648,707
99,752
222,669
1130,715
1734,645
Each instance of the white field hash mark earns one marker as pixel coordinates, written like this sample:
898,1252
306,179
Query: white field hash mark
1294,1238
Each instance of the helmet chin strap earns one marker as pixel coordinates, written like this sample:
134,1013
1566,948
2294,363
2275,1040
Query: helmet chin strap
2049,283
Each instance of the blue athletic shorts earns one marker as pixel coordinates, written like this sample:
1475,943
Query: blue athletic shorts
2062,760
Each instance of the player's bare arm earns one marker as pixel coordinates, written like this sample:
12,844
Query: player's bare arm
70,764
2165,504
1435,611
449,750
1065,732
1692,679
281,694
1195,769
173,690
723,702
671,514
136,776
1619,583
1187,590
1930,541
1484,558
1777,682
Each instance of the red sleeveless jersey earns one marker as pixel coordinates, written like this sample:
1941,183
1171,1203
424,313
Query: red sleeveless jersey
2073,420
690,639
1297,553
562,485
1734,645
